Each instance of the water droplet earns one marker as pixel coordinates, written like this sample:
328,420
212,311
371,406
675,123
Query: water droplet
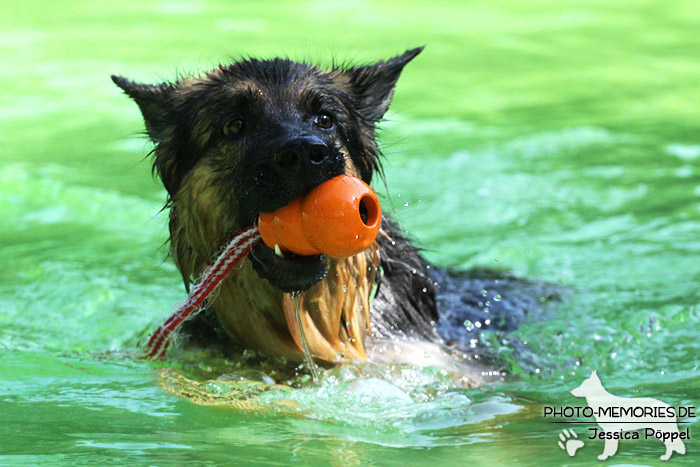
537,370
304,344
469,325
413,271
345,288
399,195
406,204
393,242
497,298
424,290
478,324
487,322
484,292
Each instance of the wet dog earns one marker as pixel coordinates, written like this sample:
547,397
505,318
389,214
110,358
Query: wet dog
250,137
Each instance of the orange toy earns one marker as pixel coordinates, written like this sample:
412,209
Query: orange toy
338,218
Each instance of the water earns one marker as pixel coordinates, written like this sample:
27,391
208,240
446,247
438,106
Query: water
308,358
556,141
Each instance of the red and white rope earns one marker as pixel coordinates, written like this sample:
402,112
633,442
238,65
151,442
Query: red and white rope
237,249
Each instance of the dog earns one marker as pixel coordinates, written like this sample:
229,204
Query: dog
601,401
248,138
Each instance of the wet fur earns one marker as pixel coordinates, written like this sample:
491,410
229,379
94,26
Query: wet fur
216,187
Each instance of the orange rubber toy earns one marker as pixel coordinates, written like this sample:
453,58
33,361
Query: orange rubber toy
338,218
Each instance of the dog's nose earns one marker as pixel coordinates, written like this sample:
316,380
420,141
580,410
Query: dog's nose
299,153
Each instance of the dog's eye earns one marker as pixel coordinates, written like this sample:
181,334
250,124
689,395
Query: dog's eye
234,127
324,120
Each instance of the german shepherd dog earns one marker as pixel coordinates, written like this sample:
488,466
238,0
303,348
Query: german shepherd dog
250,137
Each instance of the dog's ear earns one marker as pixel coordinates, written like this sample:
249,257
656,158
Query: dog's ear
374,84
155,104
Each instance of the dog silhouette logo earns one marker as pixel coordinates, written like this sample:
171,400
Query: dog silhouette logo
621,417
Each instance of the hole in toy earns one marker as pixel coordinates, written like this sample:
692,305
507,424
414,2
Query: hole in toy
368,210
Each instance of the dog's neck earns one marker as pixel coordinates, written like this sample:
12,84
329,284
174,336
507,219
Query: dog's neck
334,312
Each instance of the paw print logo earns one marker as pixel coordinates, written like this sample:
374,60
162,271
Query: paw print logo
569,442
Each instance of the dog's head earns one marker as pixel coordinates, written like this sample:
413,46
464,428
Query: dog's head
589,387
252,136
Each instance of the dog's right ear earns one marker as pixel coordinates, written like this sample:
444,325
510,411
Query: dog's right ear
374,84
155,103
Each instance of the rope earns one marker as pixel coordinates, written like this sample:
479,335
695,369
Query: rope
237,249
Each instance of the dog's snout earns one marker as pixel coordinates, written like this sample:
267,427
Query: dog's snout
298,153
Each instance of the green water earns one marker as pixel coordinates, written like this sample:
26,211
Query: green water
558,141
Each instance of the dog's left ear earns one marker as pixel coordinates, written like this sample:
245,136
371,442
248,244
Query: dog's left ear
374,84
155,103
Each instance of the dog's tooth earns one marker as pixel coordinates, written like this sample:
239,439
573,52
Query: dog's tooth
278,251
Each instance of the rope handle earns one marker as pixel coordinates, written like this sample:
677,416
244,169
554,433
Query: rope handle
234,252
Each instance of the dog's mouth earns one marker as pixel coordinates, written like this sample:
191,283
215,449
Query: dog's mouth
287,271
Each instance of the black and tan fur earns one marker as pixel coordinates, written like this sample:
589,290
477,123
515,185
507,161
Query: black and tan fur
220,152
